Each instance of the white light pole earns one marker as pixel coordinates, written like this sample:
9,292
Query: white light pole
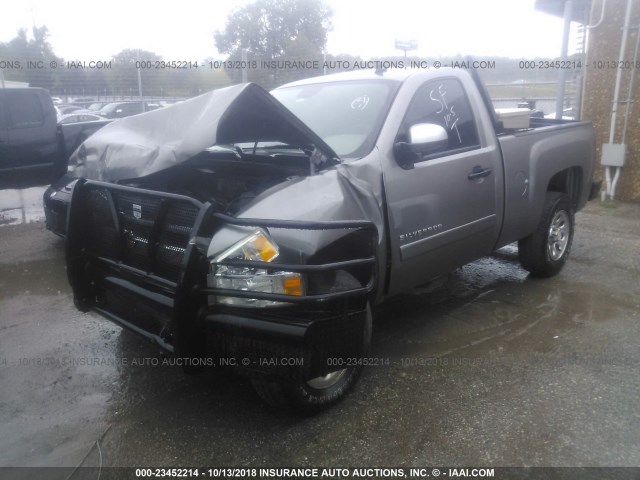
244,65
139,75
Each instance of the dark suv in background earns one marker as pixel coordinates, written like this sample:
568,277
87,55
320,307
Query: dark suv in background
29,134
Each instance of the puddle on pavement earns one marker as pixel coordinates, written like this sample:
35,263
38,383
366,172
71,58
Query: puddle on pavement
490,308
47,277
487,305
21,206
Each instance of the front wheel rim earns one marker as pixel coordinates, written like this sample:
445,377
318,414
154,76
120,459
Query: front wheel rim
558,237
328,380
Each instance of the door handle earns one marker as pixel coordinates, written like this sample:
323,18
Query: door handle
479,172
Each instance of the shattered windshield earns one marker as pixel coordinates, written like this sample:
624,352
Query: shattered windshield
346,115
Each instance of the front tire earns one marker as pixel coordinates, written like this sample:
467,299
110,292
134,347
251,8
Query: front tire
316,394
545,251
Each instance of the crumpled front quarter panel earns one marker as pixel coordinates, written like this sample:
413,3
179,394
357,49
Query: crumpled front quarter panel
351,191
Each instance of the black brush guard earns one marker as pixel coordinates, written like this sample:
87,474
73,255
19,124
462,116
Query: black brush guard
138,258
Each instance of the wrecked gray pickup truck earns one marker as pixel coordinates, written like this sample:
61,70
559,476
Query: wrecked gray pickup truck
259,229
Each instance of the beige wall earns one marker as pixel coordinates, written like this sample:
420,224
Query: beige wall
604,45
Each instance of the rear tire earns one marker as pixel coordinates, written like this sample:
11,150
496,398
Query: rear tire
545,251
316,394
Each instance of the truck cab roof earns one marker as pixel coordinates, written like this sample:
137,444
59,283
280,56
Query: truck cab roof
394,74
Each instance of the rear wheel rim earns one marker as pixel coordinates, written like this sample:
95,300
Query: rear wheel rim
558,237
328,380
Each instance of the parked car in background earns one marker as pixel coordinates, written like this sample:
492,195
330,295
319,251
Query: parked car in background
79,111
95,106
83,116
125,109
82,100
66,109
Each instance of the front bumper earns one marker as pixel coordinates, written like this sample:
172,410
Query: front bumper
55,210
167,303
56,200
296,348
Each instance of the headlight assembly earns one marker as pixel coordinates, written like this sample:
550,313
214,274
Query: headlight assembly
256,247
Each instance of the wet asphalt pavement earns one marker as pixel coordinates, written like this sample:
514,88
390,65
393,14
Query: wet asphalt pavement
487,367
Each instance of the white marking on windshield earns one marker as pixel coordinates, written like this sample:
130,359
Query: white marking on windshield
360,103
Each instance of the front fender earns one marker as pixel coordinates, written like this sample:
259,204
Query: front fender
329,218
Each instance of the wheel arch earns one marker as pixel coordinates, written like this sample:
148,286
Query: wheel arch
534,251
355,244
569,181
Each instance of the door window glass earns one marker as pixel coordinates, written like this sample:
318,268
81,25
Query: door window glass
25,110
444,103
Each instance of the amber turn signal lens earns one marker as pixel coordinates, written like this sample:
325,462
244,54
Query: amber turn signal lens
293,286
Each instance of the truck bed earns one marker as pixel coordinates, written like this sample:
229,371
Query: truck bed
548,146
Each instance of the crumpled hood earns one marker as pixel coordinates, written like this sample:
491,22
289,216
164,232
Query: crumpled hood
143,144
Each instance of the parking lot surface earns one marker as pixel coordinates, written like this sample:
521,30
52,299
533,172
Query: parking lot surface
485,367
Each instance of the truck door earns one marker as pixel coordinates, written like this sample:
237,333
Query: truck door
32,140
447,210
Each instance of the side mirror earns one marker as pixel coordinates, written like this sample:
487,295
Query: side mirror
428,137
424,139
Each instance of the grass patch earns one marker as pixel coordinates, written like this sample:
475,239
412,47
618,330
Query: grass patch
609,203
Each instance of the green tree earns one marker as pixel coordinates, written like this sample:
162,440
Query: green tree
275,30
123,76
30,52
